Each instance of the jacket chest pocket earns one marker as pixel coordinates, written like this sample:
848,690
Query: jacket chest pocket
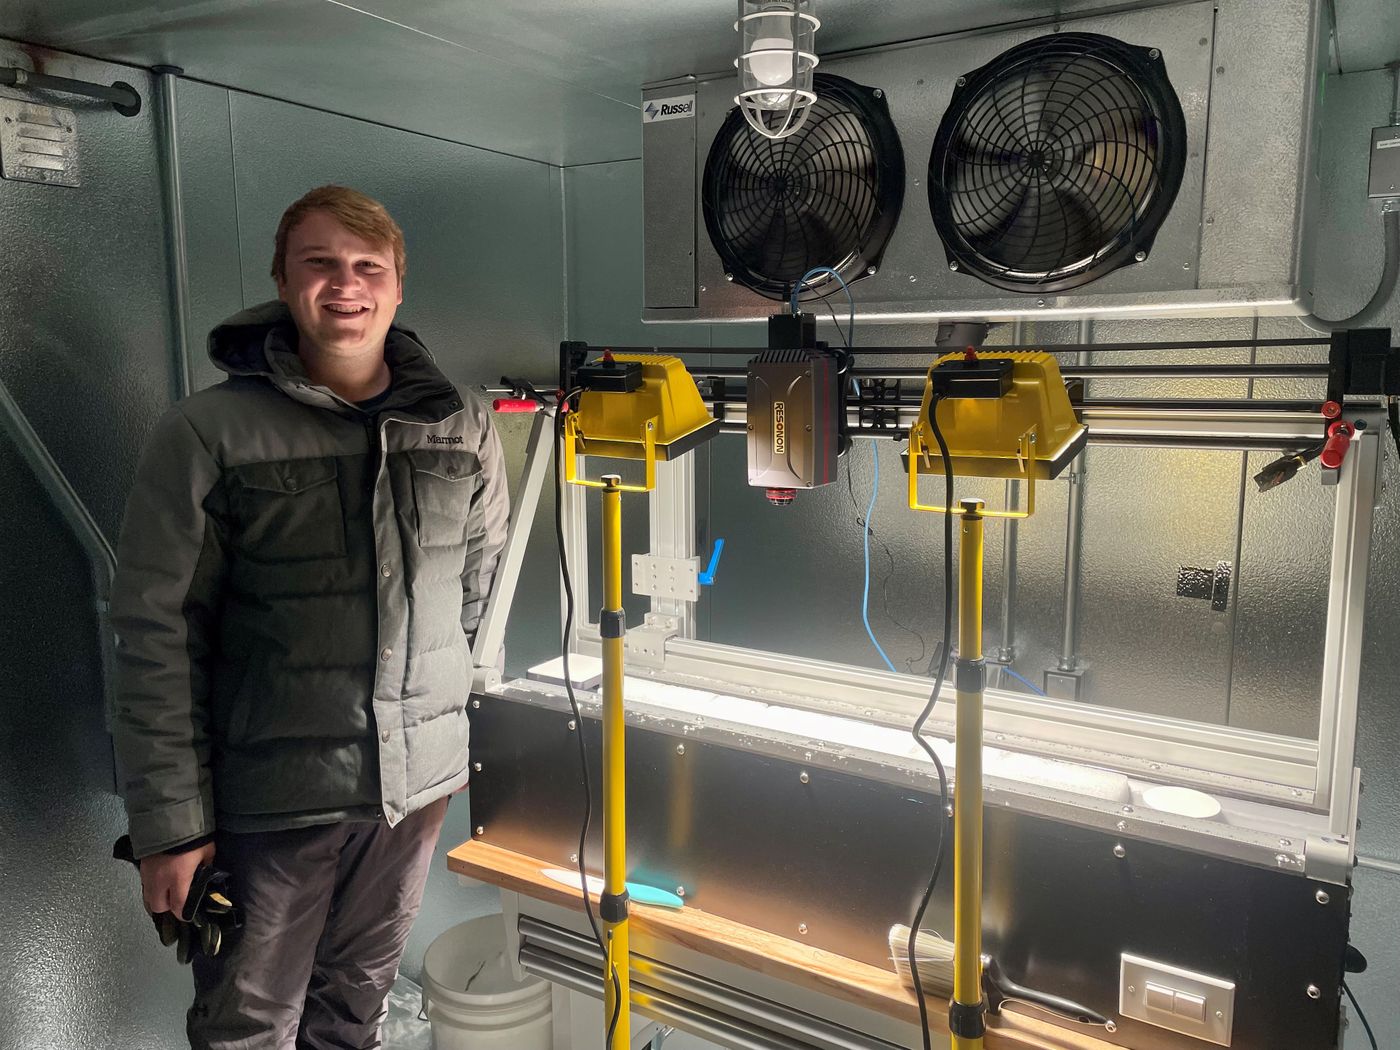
444,484
288,510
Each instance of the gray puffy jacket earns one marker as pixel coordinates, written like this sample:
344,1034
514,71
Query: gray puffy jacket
299,583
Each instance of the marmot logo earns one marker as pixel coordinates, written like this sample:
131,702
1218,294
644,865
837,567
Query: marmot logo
439,439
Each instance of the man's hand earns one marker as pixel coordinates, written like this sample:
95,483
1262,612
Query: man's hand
166,878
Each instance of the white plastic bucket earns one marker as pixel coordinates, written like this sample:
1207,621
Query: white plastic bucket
473,1001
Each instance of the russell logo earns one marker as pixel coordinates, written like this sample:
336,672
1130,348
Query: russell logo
659,109
440,439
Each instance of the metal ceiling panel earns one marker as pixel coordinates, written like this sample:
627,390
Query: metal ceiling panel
552,80
335,58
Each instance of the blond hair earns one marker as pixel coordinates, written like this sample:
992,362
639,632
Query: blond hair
362,215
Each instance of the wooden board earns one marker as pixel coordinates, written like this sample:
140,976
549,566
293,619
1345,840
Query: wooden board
778,957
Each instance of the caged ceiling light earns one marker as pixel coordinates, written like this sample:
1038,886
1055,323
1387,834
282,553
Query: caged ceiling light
777,55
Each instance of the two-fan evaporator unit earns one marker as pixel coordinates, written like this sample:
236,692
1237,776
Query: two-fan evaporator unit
1067,174
1054,165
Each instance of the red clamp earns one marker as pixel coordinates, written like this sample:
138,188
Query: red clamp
1339,435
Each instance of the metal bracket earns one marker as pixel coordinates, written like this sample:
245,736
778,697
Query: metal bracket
1064,685
646,645
1206,584
660,577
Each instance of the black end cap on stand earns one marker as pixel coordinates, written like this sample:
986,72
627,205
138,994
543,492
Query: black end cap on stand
970,675
612,623
969,1022
612,907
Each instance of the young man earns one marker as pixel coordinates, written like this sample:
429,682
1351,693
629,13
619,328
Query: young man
303,564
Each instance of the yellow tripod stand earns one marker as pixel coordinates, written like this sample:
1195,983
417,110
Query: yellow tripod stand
650,410
1001,416
965,1013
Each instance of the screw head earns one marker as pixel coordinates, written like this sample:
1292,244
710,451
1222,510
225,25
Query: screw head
680,891
1040,302
480,830
913,279
476,767
804,777
1132,989
962,81
1286,843
871,271
802,928
573,724
1119,851
953,265
680,749
1220,1015
476,704
1140,256
573,858
703,288
1323,897
1154,54
878,93
1127,809
1314,992
729,277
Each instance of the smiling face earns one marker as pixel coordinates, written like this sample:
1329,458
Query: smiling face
341,289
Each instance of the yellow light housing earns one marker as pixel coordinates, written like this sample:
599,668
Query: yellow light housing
1029,433
663,419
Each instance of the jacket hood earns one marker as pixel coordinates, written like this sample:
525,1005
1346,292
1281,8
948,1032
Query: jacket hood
262,341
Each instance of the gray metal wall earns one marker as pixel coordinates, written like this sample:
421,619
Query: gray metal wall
86,346
791,578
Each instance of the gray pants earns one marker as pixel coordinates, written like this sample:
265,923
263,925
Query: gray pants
328,911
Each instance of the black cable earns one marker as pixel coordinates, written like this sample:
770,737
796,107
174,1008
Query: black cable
1364,1023
924,716
559,415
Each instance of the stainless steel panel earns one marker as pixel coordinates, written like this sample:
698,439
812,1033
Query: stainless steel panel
484,284
847,857
668,162
1265,96
84,349
208,185
1368,34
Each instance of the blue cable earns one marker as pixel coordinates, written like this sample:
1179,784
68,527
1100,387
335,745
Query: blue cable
1024,681
865,596
797,289
874,450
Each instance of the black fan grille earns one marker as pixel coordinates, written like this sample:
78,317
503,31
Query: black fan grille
1057,162
827,195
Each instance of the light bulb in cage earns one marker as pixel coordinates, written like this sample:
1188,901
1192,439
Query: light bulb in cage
777,55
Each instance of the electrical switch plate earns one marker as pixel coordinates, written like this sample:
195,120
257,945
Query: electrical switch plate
1167,996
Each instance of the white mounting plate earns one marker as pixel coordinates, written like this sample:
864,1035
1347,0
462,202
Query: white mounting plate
666,577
